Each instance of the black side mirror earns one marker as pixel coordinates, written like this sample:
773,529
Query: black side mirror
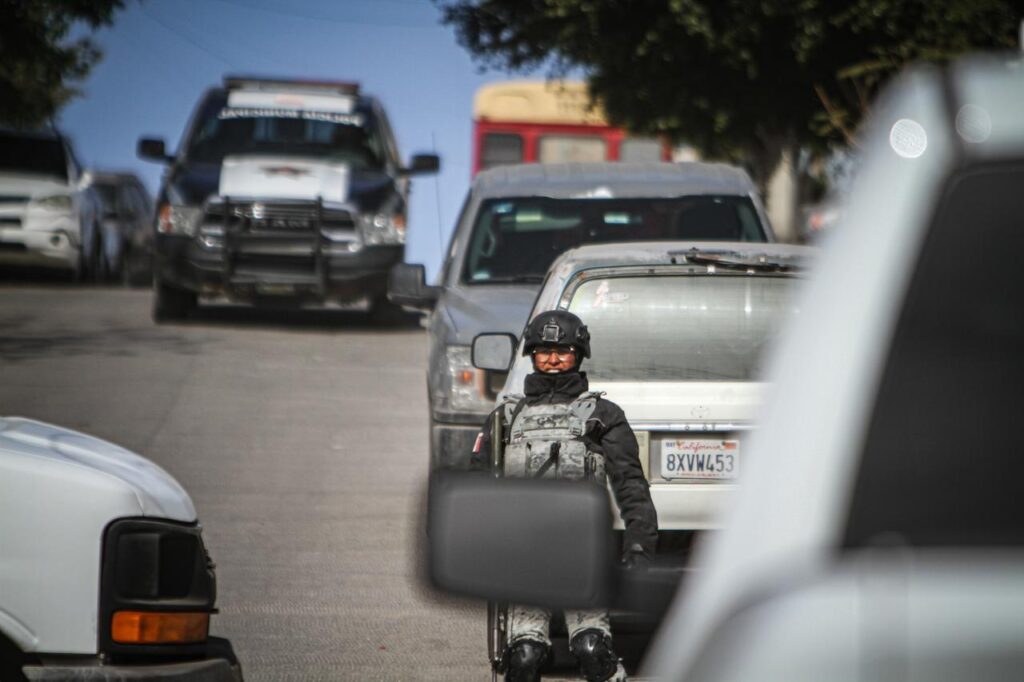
407,286
422,164
493,352
536,541
547,542
153,149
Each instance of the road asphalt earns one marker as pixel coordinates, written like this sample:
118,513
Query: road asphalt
302,438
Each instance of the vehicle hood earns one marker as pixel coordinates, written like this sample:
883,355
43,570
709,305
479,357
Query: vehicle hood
695,402
279,177
482,308
157,492
13,184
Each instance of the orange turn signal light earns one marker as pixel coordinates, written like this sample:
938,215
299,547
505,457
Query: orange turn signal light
154,627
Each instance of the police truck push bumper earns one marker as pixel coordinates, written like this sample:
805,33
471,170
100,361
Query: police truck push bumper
306,257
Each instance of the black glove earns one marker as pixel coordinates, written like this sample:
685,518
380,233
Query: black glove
635,559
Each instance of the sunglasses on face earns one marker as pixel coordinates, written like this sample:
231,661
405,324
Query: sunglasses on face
562,353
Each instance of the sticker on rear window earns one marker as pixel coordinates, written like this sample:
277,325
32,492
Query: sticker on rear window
604,296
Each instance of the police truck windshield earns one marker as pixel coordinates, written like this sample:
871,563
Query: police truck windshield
681,328
517,239
320,131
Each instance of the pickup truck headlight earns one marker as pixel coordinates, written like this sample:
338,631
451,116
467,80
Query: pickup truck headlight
383,228
157,588
55,202
466,387
179,219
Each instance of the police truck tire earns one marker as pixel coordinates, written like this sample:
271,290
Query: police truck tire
384,311
171,303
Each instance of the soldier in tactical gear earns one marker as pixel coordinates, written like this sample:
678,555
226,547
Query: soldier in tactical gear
558,428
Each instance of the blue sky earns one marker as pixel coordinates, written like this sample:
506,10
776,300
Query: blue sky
161,54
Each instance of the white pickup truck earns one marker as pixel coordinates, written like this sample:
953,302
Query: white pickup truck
103,573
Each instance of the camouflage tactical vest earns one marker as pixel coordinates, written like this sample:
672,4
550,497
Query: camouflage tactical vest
546,441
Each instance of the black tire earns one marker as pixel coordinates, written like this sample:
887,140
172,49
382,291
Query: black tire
99,269
170,303
78,273
135,270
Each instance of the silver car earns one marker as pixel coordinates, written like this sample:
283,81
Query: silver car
515,222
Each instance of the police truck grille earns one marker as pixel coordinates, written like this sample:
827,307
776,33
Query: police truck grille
258,217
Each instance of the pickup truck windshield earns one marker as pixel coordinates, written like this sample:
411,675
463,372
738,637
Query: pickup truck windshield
517,239
681,328
35,155
225,130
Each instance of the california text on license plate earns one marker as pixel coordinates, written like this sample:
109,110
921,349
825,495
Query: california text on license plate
699,458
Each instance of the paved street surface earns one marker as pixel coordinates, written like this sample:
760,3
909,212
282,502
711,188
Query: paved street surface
301,436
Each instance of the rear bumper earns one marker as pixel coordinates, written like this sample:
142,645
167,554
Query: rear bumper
689,506
344,275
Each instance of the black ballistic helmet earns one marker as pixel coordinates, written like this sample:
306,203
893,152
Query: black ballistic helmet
557,328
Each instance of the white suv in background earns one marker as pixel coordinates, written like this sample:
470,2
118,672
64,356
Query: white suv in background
49,217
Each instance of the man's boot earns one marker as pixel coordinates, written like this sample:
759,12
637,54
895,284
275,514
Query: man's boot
593,649
525,659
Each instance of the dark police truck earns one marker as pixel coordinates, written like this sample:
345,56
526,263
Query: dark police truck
281,192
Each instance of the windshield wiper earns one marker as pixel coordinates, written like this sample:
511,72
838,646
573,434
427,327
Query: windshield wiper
756,264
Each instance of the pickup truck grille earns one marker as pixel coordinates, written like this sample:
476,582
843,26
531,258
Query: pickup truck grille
257,217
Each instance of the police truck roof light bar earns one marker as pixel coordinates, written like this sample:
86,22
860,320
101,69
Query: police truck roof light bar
236,82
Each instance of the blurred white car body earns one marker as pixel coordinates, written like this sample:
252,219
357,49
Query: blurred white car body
878,531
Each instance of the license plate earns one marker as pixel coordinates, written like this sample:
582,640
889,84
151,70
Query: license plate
700,458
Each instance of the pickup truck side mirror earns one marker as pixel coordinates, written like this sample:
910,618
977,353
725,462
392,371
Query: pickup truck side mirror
153,149
493,352
407,286
548,543
422,164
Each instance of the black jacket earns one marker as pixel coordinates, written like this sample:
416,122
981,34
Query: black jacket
608,433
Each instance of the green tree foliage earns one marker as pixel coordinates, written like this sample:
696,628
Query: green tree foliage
739,79
38,61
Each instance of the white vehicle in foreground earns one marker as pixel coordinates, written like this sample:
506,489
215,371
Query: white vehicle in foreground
49,216
678,331
103,571
879,530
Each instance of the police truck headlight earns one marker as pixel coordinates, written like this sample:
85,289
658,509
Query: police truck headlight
179,219
466,385
383,228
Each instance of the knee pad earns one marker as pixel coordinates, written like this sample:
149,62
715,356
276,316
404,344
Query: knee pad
524,659
593,649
